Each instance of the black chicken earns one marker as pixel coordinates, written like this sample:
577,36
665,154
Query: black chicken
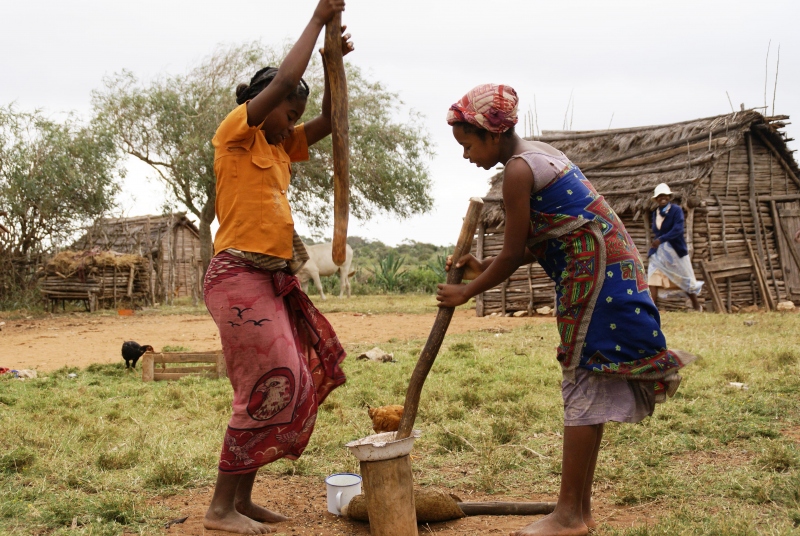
132,351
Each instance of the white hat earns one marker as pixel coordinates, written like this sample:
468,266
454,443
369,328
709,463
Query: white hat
661,189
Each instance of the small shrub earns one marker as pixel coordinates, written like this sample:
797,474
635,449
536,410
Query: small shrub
471,399
17,460
388,274
168,473
504,431
462,349
449,442
778,458
116,460
116,509
786,359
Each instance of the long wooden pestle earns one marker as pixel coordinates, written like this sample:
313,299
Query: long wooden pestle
340,137
440,325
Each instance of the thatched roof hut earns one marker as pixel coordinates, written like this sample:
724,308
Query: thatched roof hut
730,173
99,278
170,243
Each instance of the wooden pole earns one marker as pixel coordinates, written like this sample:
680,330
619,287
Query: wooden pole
479,299
760,278
440,325
389,490
769,256
495,508
530,289
340,138
148,367
222,369
752,197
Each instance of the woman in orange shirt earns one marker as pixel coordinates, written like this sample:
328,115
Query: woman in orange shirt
282,355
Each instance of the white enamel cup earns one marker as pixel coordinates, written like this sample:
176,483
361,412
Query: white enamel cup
341,488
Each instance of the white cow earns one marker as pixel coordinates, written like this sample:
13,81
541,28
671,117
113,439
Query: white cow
320,262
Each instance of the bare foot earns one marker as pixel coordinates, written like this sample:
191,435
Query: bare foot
551,526
233,521
259,513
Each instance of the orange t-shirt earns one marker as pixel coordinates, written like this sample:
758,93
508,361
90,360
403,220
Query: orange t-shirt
252,182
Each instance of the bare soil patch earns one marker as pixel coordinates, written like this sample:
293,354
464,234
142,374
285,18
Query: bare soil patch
303,499
79,339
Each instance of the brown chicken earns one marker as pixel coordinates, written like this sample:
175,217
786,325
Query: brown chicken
386,418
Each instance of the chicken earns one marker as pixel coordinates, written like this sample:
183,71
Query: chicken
132,351
386,418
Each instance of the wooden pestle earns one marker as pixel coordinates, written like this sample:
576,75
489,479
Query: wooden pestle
339,136
440,325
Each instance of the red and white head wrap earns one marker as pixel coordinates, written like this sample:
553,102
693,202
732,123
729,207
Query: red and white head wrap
489,106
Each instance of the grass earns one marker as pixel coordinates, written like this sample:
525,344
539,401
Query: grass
714,460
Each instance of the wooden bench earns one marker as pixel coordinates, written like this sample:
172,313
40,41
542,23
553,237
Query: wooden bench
213,365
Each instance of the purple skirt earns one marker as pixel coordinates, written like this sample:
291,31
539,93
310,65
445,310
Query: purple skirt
599,398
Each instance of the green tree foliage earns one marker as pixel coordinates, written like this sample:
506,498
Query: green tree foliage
55,177
168,123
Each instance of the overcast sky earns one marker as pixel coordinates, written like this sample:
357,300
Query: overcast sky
640,62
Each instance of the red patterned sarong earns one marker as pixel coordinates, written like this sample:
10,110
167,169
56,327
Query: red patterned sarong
282,356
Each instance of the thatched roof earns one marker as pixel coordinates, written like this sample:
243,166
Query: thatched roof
626,164
130,235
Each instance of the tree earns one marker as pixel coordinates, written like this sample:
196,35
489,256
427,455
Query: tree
169,122
54,179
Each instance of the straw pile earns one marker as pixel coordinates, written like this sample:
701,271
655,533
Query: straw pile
98,277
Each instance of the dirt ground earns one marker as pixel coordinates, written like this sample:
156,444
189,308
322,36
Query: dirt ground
79,339
303,499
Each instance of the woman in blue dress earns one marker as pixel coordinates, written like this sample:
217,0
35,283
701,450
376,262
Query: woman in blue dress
614,358
668,259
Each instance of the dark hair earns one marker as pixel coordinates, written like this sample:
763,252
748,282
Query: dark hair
469,128
260,80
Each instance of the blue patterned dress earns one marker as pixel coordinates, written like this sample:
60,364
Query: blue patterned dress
606,318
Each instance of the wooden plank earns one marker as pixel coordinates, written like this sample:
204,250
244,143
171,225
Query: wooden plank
728,263
203,369
752,193
733,272
787,197
790,212
192,357
167,376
